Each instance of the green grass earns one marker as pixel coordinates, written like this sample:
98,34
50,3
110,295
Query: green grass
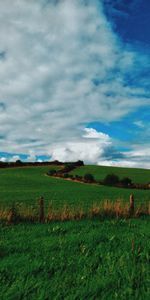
99,172
26,185
76,260
88,259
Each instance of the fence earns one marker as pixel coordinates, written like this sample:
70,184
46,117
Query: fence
42,213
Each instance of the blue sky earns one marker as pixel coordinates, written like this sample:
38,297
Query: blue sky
74,81
123,130
131,20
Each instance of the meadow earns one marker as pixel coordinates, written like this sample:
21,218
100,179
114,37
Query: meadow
26,185
99,172
91,258
76,260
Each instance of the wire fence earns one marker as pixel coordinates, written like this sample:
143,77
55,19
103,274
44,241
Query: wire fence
42,212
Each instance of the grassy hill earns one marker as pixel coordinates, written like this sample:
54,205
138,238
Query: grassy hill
26,185
99,172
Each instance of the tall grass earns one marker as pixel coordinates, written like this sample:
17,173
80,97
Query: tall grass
106,209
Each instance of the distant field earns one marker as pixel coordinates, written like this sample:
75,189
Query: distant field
26,185
76,260
99,172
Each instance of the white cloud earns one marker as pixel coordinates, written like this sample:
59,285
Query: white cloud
13,158
91,147
31,157
93,134
139,157
126,163
63,67
3,159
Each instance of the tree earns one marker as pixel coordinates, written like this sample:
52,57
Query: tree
79,163
111,179
19,162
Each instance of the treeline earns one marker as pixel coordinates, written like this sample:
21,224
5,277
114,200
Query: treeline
109,180
126,182
20,163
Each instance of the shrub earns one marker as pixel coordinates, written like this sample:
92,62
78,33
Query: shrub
71,176
51,172
89,177
126,181
68,167
66,175
19,162
78,177
111,179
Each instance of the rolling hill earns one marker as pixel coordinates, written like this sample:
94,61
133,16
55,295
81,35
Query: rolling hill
25,185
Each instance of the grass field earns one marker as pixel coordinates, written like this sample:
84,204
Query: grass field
87,259
76,260
26,185
99,172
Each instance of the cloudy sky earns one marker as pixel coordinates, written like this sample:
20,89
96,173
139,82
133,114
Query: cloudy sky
74,81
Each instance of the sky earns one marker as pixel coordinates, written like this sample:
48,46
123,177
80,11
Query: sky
74,81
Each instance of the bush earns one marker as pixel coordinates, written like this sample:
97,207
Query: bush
111,179
51,172
18,162
66,175
89,177
79,163
126,181
77,177
68,167
71,176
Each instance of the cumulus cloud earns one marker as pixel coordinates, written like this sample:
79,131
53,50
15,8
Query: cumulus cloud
139,157
92,147
94,134
62,67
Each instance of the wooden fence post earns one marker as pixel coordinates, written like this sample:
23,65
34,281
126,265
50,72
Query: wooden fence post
12,215
41,210
131,207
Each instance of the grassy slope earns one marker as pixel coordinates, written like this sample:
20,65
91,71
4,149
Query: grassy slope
25,185
75,260
137,175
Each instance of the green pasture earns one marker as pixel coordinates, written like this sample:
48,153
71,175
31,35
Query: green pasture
86,259
76,260
26,185
99,172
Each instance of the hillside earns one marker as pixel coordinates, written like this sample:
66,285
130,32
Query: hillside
26,185
99,172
